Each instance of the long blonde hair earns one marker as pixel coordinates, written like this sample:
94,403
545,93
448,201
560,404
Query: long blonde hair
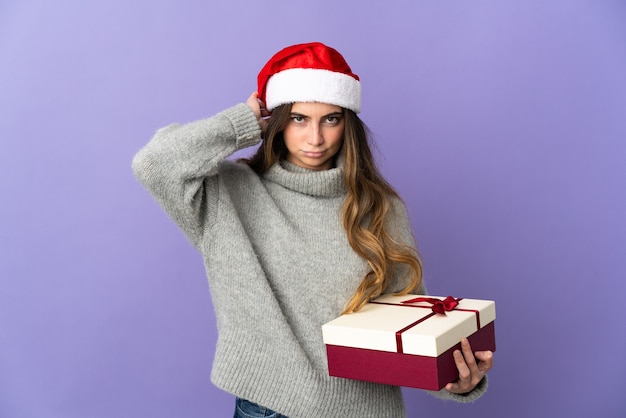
365,210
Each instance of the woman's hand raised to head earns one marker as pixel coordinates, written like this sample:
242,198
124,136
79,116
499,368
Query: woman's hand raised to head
260,111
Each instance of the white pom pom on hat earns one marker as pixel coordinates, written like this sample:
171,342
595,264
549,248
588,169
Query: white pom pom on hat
311,72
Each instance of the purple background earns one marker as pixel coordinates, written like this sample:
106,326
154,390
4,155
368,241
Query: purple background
502,124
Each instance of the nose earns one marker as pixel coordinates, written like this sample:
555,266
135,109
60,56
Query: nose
316,138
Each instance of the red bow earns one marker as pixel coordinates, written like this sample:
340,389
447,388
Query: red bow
439,306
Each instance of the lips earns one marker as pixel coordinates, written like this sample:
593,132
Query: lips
313,154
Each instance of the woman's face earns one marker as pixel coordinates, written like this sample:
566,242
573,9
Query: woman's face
314,134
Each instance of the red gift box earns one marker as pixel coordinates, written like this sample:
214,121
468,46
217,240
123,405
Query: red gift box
408,340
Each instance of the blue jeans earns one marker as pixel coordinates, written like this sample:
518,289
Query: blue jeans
247,409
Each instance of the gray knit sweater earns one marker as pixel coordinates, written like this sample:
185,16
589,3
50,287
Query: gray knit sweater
278,262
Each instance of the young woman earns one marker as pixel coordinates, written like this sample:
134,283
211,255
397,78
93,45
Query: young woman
305,230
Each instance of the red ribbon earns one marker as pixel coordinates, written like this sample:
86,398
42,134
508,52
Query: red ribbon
439,306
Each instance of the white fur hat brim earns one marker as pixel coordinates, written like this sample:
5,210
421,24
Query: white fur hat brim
313,85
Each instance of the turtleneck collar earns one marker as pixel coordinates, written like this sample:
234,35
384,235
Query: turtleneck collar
326,183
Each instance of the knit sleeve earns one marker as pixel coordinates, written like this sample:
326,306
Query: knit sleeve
179,166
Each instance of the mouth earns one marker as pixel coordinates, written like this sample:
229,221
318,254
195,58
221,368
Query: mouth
313,154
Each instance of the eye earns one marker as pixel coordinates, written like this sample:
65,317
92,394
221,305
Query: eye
332,120
297,118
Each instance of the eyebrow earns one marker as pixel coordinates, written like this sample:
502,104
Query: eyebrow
334,114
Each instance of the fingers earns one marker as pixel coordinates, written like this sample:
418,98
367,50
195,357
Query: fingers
259,109
468,356
463,363
471,372
265,113
257,105
462,384
253,102
485,360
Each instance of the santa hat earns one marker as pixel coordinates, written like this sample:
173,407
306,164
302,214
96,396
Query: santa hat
311,72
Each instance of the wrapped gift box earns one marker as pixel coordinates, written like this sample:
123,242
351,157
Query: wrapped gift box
395,341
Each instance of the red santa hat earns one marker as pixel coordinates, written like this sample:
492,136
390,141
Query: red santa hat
311,72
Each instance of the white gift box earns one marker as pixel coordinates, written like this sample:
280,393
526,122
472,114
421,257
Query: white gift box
408,344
